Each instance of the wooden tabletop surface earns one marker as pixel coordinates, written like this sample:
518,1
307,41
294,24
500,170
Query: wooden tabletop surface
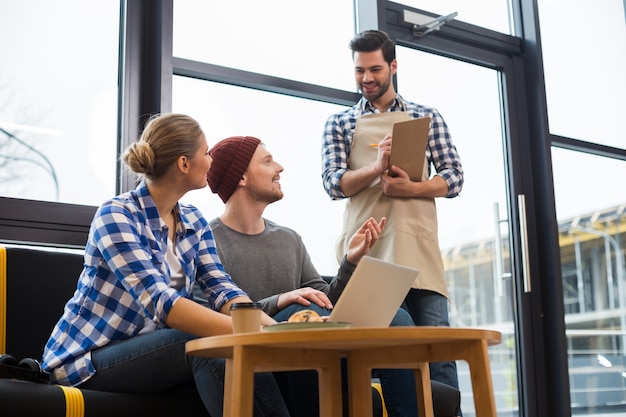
340,338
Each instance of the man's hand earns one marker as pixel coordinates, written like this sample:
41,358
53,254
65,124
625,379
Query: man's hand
356,180
400,185
384,151
304,296
364,239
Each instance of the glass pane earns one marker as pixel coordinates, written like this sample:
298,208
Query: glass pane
490,14
592,238
315,51
471,225
584,57
58,111
292,130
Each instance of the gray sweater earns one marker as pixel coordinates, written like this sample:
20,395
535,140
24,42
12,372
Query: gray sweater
273,262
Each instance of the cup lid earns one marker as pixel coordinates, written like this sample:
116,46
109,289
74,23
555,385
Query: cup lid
255,304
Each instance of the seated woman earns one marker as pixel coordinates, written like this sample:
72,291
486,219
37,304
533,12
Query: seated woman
125,328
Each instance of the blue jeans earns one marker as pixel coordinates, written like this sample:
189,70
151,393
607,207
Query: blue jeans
398,385
301,387
428,308
157,361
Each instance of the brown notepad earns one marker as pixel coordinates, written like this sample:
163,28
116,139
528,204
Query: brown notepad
408,146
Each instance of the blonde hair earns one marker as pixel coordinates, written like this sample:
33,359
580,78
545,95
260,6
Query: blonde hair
164,139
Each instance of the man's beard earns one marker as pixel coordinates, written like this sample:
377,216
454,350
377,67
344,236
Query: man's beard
267,197
383,88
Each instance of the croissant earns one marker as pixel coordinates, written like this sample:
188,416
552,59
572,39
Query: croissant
304,316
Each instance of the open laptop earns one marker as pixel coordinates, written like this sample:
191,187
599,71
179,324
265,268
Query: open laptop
374,293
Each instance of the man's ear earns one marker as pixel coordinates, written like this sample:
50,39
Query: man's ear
243,180
394,66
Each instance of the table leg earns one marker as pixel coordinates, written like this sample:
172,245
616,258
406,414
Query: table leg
359,385
329,377
327,363
239,385
482,384
361,363
424,390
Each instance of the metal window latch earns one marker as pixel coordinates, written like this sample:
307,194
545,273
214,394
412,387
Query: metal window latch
423,25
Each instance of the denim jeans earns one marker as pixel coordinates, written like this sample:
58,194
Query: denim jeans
301,387
157,361
398,385
428,308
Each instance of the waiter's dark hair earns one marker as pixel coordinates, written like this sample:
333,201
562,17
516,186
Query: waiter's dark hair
373,40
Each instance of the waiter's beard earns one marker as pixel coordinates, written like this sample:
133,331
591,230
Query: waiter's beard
382,89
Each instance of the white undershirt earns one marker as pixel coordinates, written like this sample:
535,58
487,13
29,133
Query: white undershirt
177,278
176,269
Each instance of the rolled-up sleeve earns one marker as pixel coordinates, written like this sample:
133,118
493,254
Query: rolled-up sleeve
335,152
216,284
444,155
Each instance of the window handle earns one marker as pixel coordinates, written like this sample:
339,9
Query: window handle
521,207
498,263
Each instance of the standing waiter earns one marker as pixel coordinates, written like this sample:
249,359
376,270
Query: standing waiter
355,165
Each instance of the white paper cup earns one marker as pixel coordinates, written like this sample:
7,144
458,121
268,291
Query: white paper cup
246,317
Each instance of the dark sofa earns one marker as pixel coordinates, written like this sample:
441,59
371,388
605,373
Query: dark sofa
36,285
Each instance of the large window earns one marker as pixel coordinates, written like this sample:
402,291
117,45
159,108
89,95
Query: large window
592,236
58,100
251,36
584,57
291,129
491,14
480,292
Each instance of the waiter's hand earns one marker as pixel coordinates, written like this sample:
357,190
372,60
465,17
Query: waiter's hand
354,181
384,150
400,185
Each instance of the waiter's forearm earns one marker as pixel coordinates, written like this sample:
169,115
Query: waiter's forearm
355,180
435,187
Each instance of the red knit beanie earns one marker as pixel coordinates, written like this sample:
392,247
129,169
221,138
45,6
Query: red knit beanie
231,157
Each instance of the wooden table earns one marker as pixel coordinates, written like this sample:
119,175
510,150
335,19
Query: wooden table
365,348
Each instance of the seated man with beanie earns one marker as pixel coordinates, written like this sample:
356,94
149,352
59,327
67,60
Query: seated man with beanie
247,179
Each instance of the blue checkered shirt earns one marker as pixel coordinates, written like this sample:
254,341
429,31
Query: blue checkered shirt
125,283
339,131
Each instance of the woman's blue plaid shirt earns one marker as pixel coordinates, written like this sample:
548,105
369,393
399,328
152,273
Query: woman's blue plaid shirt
125,283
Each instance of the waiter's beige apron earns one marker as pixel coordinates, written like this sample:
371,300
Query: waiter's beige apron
410,235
